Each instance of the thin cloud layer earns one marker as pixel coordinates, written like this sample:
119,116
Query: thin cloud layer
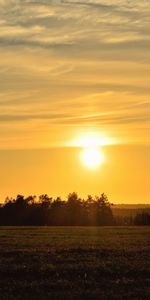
67,64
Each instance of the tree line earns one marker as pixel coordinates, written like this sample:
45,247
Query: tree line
74,211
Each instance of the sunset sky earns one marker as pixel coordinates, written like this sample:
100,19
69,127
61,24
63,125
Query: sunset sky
72,71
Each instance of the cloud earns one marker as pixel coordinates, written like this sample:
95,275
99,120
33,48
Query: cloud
65,23
74,63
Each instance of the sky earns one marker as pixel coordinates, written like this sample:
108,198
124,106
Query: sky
69,69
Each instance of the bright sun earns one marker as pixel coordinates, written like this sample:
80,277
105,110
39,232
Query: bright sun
92,157
91,142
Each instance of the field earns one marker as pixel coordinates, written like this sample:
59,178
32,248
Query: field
74,263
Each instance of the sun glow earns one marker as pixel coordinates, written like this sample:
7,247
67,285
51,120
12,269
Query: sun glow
92,139
92,142
92,157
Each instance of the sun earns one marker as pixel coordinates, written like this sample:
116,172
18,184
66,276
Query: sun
91,144
92,157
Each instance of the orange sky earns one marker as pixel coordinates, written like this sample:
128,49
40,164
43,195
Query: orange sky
124,176
69,68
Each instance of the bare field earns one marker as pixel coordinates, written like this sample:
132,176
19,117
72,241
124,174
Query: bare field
74,263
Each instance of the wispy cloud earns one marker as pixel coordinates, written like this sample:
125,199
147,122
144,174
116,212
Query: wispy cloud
73,63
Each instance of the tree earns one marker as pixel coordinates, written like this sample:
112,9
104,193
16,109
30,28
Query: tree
142,219
47,211
102,211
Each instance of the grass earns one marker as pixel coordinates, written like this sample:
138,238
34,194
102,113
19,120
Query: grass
74,263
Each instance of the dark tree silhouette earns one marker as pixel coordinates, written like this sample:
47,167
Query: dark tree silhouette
93,211
142,219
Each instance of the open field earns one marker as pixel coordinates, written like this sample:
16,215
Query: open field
74,263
